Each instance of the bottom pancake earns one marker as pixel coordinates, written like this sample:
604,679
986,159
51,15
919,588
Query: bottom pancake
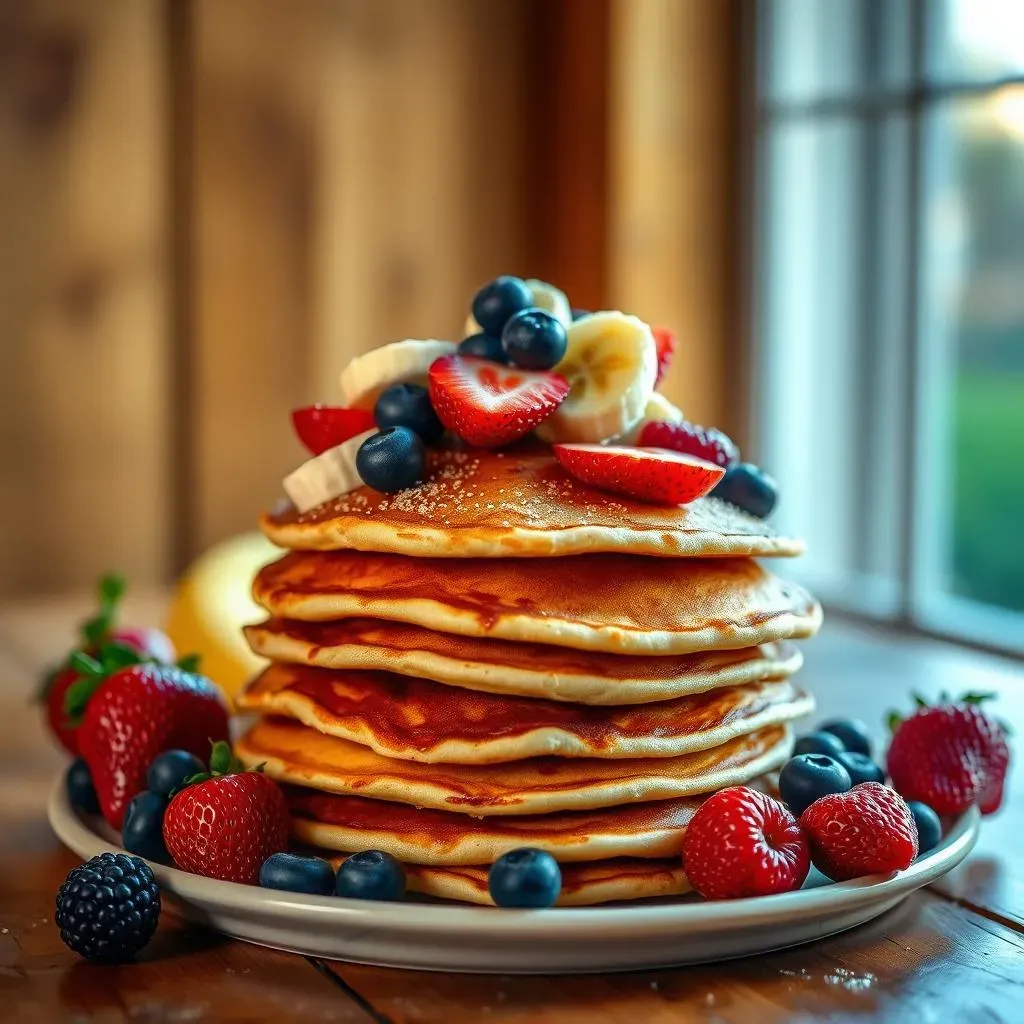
600,881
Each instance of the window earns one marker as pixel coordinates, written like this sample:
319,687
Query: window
889,303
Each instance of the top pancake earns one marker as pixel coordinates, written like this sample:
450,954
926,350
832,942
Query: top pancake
478,504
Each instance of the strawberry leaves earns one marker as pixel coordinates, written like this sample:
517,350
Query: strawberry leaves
110,589
222,762
111,658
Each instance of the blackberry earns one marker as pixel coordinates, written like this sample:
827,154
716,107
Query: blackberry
108,908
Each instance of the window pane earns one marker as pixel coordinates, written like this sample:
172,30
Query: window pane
975,39
825,49
970,533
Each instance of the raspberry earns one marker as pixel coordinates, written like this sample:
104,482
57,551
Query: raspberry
743,843
867,831
702,442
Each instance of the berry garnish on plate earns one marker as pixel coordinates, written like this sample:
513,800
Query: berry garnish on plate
320,427
130,712
499,300
808,777
226,823
392,460
489,405
108,908
766,851
143,832
408,405
860,767
868,830
293,872
171,770
702,442
484,346
525,878
929,828
748,488
851,732
665,343
819,743
647,474
534,340
80,789
951,757
371,875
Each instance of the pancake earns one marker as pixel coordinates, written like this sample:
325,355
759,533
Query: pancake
611,603
417,720
479,504
296,754
417,836
525,669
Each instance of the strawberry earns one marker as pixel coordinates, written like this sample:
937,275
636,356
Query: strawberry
227,823
865,831
665,343
950,757
324,426
705,443
743,843
649,474
100,629
490,405
129,712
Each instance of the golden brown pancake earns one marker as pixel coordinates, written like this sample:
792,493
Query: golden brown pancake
613,603
504,666
418,720
425,836
296,754
480,504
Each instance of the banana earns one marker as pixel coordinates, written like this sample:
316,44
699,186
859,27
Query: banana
610,363
329,475
545,296
401,362
658,410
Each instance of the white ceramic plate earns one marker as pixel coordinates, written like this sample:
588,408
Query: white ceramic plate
452,937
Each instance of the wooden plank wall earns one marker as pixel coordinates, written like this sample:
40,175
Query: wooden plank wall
211,205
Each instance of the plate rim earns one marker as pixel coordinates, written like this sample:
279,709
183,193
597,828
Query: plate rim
617,921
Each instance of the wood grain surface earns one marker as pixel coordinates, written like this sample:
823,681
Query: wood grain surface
953,952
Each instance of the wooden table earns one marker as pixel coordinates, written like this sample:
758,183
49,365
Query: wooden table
954,952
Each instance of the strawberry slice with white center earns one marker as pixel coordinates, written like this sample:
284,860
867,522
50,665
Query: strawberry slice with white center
488,404
665,343
648,474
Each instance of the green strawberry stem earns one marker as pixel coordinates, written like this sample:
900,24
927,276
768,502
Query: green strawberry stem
93,673
190,662
109,589
222,762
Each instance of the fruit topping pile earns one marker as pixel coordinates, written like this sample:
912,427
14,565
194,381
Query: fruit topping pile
529,364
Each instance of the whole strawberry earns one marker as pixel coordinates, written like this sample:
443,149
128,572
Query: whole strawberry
865,831
129,712
743,843
226,824
950,757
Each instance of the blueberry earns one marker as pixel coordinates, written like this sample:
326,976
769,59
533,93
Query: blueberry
81,791
391,460
483,346
371,875
852,732
143,831
579,314
295,873
170,769
108,908
534,340
819,743
749,488
807,777
498,300
929,828
408,405
525,878
860,767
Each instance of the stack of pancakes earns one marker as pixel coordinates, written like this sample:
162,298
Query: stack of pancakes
504,657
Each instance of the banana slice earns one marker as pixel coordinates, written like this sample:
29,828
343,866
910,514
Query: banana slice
658,410
610,363
401,362
545,296
329,475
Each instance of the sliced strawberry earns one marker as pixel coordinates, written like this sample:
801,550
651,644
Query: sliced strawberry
490,405
702,442
649,474
325,426
665,342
